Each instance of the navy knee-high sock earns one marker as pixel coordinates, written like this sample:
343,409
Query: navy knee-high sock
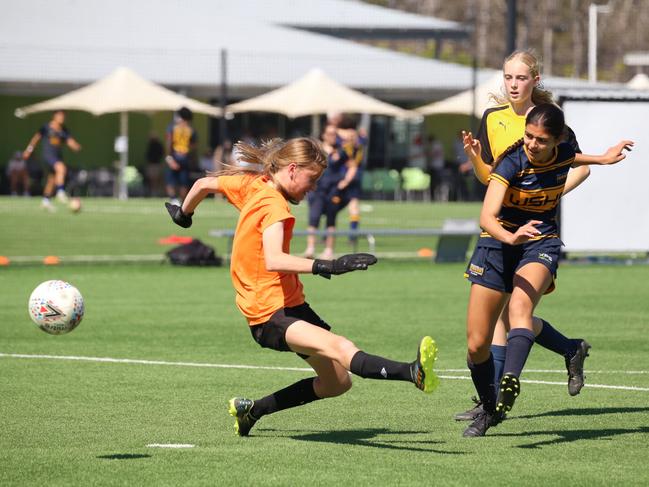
499,353
553,340
519,344
483,375
302,392
375,367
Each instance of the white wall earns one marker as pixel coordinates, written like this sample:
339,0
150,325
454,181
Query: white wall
609,212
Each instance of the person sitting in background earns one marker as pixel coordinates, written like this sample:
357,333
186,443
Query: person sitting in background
18,175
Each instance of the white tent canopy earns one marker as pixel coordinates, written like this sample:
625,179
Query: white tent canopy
639,82
122,91
316,93
463,103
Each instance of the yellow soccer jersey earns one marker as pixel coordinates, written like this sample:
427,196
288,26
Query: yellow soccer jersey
499,129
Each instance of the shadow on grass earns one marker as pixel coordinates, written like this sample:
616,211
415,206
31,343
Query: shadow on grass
584,412
368,438
566,436
124,456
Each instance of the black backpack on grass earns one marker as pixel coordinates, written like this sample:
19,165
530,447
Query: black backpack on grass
194,253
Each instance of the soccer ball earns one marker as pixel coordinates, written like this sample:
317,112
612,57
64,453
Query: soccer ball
75,205
56,307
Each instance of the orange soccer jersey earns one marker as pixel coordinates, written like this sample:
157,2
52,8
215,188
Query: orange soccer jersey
259,292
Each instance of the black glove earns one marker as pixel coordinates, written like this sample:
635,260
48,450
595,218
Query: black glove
346,263
177,215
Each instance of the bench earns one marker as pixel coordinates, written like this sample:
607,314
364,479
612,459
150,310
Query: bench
454,237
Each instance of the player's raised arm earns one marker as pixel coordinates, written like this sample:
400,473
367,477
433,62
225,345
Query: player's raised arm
473,149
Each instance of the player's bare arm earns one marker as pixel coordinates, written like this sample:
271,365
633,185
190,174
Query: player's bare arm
613,155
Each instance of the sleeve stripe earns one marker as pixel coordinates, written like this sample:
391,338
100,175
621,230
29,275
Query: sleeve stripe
499,178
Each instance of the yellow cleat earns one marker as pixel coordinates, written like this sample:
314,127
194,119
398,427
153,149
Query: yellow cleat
422,371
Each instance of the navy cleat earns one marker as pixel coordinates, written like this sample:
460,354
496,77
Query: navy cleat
240,407
575,367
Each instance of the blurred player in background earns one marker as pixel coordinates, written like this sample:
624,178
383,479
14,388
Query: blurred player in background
353,142
501,126
329,197
269,292
53,134
181,141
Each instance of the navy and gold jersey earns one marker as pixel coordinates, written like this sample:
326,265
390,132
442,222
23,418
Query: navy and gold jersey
53,140
182,138
533,191
501,127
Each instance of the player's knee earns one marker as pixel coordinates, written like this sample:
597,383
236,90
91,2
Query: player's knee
344,349
519,309
477,349
333,388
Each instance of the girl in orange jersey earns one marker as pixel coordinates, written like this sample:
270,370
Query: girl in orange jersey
265,277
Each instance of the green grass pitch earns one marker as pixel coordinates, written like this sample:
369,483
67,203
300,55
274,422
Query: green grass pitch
181,350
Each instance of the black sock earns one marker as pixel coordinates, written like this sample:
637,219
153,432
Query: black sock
554,341
297,394
375,367
519,344
483,376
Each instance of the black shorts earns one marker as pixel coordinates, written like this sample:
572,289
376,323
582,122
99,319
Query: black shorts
272,334
495,268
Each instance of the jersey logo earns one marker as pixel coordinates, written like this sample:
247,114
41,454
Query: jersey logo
500,122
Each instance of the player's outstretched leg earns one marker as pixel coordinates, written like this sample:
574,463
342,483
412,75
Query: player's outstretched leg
575,366
240,407
510,388
421,369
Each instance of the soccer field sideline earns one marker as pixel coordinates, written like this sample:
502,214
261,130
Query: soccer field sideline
305,369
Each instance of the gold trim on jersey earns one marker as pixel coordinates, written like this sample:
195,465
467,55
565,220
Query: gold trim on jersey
538,237
498,178
539,170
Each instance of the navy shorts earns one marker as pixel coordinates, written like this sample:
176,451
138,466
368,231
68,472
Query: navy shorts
272,334
181,176
49,161
327,205
355,189
495,268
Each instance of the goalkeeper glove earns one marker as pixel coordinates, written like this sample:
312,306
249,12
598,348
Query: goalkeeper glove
346,263
177,215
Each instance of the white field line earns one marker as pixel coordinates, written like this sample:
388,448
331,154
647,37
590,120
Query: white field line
260,367
563,371
170,445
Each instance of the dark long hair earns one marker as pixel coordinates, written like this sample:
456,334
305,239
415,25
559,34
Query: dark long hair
548,116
